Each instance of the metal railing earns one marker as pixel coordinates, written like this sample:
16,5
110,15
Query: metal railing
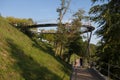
109,73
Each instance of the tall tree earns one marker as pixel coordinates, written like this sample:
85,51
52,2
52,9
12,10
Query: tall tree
107,15
74,40
61,39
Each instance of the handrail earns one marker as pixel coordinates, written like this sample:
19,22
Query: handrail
112,65
110,73
108,70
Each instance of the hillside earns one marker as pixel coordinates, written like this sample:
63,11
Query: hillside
22,59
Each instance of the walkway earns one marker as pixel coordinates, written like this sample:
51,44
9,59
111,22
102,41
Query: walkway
85,74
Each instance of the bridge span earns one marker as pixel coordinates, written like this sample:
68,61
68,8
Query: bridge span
88,28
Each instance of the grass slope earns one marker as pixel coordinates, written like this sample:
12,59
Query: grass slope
21,59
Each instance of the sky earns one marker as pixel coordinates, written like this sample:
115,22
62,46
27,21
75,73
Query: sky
43,11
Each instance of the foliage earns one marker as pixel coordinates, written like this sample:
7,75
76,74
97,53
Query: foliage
74,42
92,49
71,41
21,24
60,40
49,36
107,16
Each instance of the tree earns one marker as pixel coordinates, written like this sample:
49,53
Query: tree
61,39
107,16
74,40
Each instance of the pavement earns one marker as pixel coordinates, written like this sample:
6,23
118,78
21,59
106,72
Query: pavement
84,74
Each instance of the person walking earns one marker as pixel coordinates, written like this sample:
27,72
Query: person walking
81,62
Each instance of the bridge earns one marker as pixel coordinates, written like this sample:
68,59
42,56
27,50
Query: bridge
88,28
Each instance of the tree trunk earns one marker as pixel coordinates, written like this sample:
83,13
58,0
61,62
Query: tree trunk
69,55
61,48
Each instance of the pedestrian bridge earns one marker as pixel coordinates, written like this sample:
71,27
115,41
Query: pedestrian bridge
85,28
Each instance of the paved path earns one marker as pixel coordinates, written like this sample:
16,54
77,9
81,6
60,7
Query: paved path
84,74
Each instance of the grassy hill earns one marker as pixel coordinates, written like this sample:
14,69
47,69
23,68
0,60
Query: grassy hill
23,59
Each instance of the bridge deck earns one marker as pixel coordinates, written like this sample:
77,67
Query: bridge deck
85,74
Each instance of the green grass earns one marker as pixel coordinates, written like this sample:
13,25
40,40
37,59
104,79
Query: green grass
23,59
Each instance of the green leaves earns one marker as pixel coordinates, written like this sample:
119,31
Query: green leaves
19,22
108,17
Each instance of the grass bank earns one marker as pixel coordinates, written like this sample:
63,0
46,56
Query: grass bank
22,59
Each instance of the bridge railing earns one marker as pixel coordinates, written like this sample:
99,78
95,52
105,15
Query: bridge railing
108,70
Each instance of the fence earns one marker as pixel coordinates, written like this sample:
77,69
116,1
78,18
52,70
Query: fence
108,71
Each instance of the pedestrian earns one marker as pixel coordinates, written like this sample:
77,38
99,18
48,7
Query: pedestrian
81,62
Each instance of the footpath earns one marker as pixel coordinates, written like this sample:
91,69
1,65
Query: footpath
84,74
